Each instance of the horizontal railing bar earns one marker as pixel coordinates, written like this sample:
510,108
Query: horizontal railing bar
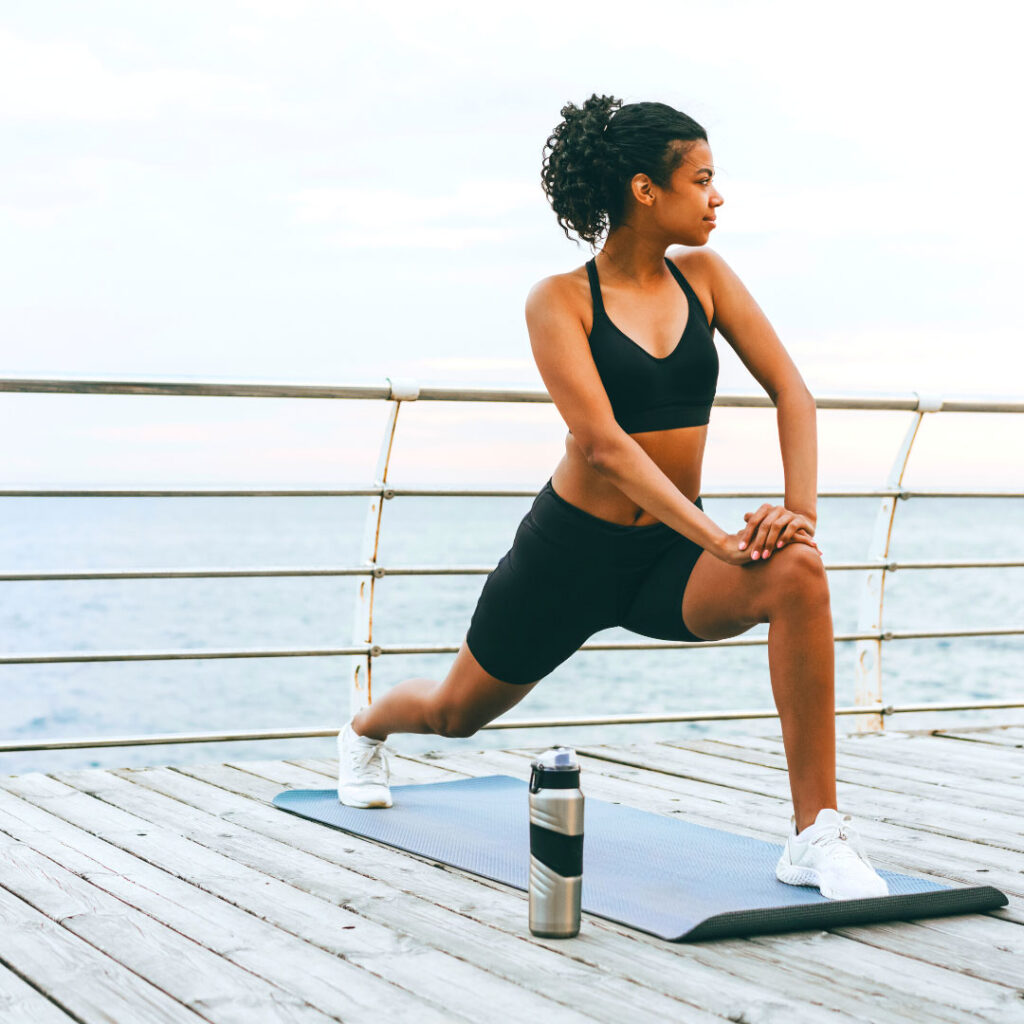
469,393
711,716
193,655
906,493
202,574
380,571
377,650
113,492
13,746
435,492
1011,563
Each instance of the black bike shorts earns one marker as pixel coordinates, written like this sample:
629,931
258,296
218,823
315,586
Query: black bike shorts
569,574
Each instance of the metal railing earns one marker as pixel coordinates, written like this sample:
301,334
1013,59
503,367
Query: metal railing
868,706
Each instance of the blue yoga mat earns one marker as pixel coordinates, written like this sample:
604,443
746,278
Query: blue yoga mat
662,875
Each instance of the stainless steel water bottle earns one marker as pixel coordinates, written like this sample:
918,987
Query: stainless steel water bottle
556,844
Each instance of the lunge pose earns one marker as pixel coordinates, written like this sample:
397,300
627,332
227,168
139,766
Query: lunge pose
617,536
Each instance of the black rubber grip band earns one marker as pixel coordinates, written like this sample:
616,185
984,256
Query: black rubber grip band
562,853
553,778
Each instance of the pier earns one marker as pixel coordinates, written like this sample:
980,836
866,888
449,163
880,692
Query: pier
178,893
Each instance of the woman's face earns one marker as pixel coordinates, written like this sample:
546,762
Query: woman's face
685,211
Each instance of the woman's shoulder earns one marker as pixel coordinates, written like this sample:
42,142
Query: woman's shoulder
700,266
696,260
569,290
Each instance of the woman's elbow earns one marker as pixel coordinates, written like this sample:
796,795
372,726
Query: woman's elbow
603,453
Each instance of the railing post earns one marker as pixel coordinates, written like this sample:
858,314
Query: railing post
360,689
872,604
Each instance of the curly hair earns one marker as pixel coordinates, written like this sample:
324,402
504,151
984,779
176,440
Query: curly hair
591,156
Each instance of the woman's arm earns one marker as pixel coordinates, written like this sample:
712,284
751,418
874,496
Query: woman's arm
566,365
798,438
745,327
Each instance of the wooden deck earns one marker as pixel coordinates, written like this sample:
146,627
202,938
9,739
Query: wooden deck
181,894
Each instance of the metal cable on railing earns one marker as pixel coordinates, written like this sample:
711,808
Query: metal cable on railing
870,635
13,746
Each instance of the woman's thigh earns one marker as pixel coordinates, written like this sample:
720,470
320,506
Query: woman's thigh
526,623
470,697
538,606
722,600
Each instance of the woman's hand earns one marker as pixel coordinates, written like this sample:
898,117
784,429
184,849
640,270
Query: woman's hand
769,528
773,526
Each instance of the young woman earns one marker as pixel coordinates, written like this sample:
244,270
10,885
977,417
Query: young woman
618,535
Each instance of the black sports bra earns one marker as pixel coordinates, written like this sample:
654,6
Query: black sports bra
648,392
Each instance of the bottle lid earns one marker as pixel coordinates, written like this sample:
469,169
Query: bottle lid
557,768
559,758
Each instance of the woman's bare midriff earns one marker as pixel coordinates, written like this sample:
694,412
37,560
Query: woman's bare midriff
678,453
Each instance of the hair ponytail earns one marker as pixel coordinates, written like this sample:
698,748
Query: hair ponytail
591,156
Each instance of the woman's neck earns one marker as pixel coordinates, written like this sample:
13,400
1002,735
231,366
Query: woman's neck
633,258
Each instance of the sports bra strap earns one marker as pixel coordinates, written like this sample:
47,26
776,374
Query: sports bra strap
683,283
595,287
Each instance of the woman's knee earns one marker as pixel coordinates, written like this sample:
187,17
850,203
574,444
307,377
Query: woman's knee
450,718
458,723
470,697
799,575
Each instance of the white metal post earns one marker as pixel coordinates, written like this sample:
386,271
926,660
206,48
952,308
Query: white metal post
869,652
360,689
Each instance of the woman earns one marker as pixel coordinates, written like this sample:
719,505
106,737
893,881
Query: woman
617,535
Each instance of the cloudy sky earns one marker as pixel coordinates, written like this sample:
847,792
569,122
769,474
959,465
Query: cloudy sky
333,192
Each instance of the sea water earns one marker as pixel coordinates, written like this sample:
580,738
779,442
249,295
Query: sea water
114,699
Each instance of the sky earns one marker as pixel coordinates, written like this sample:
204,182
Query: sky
338,193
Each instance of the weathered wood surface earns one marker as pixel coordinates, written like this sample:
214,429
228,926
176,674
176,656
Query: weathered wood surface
181,894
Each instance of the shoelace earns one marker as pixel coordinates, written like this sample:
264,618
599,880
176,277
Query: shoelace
845,840
370,764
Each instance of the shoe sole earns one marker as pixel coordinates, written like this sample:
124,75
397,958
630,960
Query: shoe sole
356,802
793,875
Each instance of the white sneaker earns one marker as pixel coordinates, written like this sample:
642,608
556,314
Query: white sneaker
830,855
363,770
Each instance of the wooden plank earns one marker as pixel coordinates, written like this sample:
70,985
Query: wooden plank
406,894
434,972
213,988
733,993
324,979
770,789
870,770
775,987
766,773
959,991
398,959
212,871
20,1003
1001,739
800,979
965,941
996,763
85,983
862,768
974,944
996,760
